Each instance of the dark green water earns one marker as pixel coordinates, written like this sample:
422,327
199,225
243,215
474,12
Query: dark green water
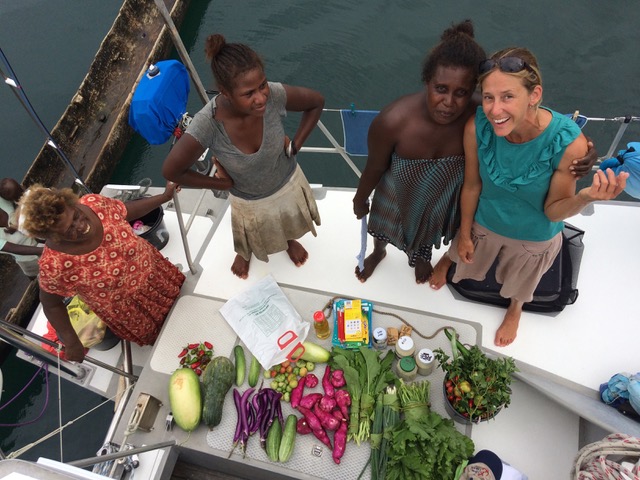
367,53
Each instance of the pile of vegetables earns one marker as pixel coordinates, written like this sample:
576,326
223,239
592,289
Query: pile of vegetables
367,374
196,356
476,386
256,413
423,445
286,376
324,413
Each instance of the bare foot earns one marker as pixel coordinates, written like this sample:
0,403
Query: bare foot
297,253
507,331
439,276
370,264
240,267
423,270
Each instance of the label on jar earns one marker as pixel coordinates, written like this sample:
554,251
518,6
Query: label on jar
405,347
424,361
380,338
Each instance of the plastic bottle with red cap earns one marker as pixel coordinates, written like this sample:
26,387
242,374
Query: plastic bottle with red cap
321,325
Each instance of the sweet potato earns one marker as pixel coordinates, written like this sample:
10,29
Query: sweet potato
327,420
308,401
339,443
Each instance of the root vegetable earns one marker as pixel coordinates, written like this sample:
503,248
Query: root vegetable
327,403
337,379
343,400
311,380
327,420
311,418
339,443
302,427
308,401
329,389
296,393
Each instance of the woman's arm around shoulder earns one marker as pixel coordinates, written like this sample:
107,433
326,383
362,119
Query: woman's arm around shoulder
562,200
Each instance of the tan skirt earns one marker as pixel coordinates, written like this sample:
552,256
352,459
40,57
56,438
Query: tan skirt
262,227
521,263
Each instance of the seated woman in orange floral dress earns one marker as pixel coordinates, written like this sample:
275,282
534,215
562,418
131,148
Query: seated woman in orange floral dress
92,251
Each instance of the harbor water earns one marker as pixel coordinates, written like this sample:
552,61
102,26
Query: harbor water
361,53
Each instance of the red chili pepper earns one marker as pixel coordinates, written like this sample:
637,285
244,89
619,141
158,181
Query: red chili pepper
182,361
195,365
201,353
198,371
193,346
183,353
208,345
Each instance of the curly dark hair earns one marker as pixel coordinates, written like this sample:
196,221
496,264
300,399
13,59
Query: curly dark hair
457,48
43,208
228,60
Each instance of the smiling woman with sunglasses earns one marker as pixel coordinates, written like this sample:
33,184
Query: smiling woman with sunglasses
518,187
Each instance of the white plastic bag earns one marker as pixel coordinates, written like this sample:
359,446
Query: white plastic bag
267,323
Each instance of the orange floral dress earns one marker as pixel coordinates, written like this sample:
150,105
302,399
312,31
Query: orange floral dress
126,281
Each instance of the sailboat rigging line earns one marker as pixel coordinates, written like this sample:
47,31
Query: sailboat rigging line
12,80
18,329
46,377
27,447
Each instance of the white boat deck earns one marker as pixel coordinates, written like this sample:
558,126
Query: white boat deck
584,345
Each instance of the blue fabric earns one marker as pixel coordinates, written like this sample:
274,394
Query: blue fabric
355,127
363,244
159,102
621,387
630,164
515,178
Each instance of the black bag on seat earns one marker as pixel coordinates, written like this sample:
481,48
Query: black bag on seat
557,287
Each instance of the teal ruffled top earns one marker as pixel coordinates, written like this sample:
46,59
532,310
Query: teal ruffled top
516,176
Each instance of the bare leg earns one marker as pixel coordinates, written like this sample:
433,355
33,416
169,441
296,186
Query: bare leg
372,261
240,267
439,277
297,252
507,331
423,270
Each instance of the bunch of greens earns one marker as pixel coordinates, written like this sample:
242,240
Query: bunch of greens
367,374
476,386
424,446
386,418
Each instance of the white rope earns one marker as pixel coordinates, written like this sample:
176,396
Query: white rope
60,400
592,462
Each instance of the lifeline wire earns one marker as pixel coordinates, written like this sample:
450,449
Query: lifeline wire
12,80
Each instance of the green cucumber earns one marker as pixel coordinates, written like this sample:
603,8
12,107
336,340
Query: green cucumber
315,353
254,372
185,398
274,437
288,438
241,364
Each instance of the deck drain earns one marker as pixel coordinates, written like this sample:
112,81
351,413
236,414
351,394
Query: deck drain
317,450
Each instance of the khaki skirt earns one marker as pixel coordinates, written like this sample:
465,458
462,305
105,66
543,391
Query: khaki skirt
262,227
521,263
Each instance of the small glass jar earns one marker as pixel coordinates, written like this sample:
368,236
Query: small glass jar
321,325
405,347
424,361
406,369
379,338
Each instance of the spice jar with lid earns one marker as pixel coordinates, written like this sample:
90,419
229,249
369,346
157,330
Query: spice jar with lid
405,347
424,361
406,368
379,338
321,325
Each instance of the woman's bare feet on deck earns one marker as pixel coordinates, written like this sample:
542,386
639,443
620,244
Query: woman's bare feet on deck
297,253
372,261
439,275
240,267
507,331
424,270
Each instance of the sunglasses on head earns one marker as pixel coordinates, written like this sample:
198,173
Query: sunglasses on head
505,64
